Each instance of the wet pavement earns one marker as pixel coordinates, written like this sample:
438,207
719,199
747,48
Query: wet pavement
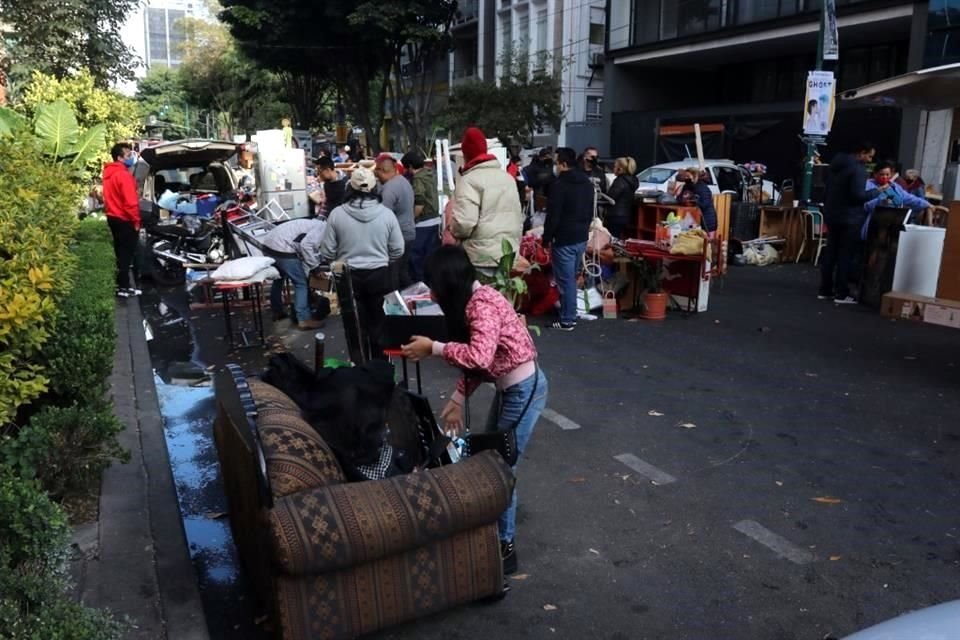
813,453
188,409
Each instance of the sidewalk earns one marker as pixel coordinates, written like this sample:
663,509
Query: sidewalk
135,560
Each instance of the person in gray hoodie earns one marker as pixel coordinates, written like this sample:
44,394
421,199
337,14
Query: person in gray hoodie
365,235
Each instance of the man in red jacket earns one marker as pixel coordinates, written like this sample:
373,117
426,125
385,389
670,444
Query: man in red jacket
123,212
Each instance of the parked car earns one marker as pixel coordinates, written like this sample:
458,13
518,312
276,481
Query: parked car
725,176
198,166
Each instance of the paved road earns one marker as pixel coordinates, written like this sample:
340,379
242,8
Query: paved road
777,468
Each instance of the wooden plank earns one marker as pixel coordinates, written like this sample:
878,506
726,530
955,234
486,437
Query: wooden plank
687,129
948,286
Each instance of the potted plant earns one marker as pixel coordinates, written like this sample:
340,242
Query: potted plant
508,279
654,298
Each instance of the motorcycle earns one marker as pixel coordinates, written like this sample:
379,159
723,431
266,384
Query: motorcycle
191,239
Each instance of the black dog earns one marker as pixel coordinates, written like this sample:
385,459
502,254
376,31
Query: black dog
347,406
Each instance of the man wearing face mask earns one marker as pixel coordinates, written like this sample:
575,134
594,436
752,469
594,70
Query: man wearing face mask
591,166
123,212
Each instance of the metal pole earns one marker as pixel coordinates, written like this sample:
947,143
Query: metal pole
806,186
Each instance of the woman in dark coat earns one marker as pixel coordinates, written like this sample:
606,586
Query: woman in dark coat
703,197
622,191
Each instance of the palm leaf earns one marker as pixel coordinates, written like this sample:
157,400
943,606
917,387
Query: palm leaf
10,121
90,144
56,126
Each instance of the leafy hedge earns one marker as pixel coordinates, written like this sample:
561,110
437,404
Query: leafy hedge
33,604
36,267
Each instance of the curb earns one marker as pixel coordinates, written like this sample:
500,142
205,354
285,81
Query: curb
144,570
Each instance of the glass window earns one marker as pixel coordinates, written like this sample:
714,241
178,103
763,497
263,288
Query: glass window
656,175
597,25
646,22
593,107
944,13
157,36
728,179
943,47
523,31
541,43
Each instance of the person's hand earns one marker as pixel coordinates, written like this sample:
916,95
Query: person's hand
452,416
418,348
883,187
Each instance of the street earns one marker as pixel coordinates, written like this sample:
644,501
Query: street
775,468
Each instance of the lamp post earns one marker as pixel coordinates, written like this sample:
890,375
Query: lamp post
806,186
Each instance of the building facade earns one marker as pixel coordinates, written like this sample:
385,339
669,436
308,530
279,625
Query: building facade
741,65
154,33
567,33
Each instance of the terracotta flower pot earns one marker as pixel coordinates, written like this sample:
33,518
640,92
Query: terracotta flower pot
655,306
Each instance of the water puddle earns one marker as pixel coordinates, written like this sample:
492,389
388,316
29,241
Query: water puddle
188,408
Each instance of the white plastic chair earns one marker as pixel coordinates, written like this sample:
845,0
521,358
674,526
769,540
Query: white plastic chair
816,234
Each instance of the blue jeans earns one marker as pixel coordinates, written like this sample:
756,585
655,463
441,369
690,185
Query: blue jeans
508,407
565,261
292,269
427,241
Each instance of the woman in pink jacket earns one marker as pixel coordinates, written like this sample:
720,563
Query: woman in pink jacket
489,343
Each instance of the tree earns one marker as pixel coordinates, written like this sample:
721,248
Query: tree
218,77
63,37
355,47
523,102
160,94
92,105
417,33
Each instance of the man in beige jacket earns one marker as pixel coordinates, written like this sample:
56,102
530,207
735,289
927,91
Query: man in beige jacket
486,208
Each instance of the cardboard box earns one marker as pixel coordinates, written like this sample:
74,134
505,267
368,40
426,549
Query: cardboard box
905,306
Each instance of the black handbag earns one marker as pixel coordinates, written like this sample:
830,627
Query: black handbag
503,441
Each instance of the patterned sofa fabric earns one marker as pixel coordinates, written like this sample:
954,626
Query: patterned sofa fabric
297,457
339,526
348,603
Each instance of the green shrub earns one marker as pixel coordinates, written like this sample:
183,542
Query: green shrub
34,604
66,448
37,224
79,354
71,436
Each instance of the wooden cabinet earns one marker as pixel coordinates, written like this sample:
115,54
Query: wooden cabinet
948,286
651,216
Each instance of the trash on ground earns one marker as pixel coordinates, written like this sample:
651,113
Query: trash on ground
827,500
654,412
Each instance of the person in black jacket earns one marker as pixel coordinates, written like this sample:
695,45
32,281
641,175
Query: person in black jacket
591,166
569,213
622,191
539,175
844,214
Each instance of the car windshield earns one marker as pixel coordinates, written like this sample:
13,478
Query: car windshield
656,175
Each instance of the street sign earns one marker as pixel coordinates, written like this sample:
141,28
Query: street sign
831,34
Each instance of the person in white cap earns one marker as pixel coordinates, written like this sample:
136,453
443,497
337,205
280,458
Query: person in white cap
365,235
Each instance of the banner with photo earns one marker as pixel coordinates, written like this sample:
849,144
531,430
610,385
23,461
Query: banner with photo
819,103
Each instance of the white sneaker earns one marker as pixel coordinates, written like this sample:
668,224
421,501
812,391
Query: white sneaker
847,300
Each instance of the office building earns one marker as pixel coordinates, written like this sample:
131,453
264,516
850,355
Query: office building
741,65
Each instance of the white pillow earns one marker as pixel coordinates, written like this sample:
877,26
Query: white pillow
241,268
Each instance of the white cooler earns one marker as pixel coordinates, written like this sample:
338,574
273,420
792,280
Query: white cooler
918,260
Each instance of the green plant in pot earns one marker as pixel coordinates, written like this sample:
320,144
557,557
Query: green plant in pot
654,298
508,280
